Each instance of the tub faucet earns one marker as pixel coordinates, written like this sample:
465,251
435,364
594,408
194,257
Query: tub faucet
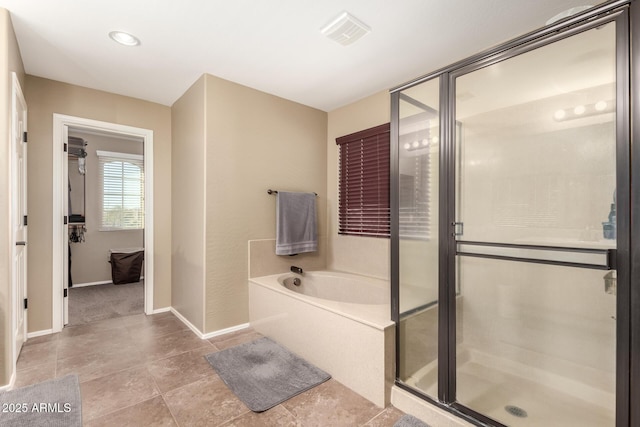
296,269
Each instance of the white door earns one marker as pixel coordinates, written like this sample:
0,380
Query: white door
65,234
19,215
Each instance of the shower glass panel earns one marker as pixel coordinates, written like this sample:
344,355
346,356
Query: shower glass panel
535,175
418,165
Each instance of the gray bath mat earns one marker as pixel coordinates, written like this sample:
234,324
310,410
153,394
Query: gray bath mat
263,374
53,403
409,421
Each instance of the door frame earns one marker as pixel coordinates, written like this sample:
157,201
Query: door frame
61,123
16,96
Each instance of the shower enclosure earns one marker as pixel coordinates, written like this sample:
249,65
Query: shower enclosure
511,249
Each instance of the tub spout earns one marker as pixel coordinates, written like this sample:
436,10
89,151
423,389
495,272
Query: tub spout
296,269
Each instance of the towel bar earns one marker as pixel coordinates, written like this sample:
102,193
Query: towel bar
270,191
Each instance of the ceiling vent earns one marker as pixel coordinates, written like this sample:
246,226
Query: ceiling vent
345,29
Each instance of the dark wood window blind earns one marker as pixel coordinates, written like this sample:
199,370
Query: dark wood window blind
363,201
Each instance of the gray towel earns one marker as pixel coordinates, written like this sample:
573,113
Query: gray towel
296,224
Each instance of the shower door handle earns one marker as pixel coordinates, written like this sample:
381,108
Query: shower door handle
601,259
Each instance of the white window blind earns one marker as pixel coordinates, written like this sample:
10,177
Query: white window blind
122,179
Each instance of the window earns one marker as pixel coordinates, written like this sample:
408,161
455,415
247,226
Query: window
363,202
122,178
418,157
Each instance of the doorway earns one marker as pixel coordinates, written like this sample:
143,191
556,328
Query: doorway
119,154
105,210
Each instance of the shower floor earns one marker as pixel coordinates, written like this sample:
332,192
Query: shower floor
488,389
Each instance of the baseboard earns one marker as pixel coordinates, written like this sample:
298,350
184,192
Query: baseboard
39,333
179,316
225,331
186,322
210,334
82,285
104,282
11,382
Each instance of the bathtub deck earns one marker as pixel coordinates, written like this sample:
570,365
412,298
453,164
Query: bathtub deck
356,347
375,315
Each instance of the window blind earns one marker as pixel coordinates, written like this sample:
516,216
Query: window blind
122,184
363,201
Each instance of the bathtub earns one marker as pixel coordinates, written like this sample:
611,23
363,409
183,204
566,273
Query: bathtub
339,322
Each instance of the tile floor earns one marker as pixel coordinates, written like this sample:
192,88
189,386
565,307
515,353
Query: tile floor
150,371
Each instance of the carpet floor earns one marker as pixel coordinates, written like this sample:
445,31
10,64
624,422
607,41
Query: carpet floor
92,303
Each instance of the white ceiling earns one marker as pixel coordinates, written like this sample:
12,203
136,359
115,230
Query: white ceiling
273,46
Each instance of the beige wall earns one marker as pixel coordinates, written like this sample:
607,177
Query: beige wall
11,62
89,259
188,211
230,144
255,141
46,97
362,255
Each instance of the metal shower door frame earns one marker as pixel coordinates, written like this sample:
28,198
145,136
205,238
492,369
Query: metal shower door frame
626,258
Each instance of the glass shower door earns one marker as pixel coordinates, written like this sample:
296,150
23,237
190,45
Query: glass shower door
418,192
535,233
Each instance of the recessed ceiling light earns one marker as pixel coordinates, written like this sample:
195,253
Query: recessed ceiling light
124,38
